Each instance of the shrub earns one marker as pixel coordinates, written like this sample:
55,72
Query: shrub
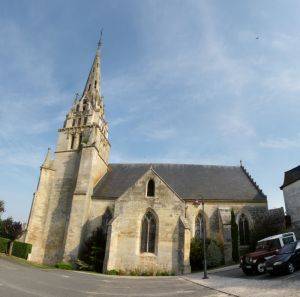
93,251
112,272
64,265
196,254
4,245
234,238
214,255
21,249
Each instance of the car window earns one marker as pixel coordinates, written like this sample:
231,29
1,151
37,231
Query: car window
287,240
298,245
289,248
274,244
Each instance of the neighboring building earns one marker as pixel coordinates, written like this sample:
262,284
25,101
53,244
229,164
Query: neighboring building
151,210
291,193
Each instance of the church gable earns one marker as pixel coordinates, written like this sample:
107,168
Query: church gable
149,199
151,189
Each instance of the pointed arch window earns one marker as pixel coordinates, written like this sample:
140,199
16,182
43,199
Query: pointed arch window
199,225
95,84
148,236
244,231
151,188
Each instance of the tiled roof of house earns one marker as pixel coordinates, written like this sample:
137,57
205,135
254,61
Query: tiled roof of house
291,176
188,181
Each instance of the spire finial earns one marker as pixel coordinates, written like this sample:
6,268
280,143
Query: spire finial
100,40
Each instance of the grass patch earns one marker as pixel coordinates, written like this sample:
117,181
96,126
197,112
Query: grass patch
64,265
24,262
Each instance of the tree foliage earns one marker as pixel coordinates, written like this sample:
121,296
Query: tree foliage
1,206
214,254
266,225
234,238
11,229
93,251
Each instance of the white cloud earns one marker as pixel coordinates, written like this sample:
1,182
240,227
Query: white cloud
281,143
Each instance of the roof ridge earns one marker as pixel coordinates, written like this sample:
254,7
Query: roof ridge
177,164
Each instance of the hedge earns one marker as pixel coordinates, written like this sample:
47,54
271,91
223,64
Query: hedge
21,249
3,244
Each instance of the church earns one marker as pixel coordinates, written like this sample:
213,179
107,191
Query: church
152,211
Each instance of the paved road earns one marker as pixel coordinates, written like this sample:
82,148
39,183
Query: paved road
18,280
236,283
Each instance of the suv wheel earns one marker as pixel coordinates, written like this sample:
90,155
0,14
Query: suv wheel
291,268
260,268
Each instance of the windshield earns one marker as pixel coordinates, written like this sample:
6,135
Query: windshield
289,248
287,240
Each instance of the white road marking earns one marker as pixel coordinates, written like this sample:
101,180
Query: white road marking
66,276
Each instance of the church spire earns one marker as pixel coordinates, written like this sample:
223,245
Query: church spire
92,86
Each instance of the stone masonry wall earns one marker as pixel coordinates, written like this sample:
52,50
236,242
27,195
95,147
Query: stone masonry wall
38,214
124,241
66,166
291,195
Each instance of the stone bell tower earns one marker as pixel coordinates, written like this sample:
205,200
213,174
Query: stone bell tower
81,159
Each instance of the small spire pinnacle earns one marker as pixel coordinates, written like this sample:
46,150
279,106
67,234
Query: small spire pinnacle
47,161
99,45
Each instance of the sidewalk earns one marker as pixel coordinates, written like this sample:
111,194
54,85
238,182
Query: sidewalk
231,281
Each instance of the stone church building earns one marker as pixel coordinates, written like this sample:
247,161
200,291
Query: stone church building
151,210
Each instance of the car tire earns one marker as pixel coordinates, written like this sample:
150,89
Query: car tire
260,268
247,272
290,268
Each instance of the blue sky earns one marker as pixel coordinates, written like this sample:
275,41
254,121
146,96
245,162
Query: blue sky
183,81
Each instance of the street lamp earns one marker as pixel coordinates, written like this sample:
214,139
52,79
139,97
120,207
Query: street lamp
203,238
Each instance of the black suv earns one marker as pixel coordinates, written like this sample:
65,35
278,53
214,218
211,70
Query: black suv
286,260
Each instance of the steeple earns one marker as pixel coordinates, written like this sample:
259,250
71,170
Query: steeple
92,86
48,161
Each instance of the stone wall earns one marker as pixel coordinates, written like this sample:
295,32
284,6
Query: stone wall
38,215
291,195
123,248
218,214
60,201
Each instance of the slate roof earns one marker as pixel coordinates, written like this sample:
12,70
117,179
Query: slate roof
188,181
291,176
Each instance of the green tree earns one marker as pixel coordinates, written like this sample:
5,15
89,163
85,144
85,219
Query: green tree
234,238
94,250
1,207
11,230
